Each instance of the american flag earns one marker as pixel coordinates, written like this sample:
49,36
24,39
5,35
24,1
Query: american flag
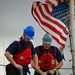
43,13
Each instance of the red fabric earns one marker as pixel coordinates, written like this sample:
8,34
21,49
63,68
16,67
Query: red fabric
47,61
24,58
42,13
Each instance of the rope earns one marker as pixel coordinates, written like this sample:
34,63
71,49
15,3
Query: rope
32,68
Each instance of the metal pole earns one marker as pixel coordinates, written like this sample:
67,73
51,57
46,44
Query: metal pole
72,54
72,33
21,72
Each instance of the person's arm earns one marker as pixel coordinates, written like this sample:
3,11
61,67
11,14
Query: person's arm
9,57
38,70
59,65
59,60
35,59
10,51
34,63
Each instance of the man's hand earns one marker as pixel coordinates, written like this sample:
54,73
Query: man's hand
43,73
50,72
18,66
36,67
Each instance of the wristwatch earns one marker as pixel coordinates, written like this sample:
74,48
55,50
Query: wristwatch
47,72
54,69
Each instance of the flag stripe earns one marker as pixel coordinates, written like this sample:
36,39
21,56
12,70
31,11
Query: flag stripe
49,22
52,33
47,15
50,18
42,20
51,2
42,14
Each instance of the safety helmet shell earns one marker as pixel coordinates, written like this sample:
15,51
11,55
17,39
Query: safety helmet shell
47,39
29,32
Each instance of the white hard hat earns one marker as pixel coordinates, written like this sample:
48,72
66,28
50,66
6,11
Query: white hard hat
47,39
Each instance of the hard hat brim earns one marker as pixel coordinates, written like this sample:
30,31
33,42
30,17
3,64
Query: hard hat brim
47,42
29,37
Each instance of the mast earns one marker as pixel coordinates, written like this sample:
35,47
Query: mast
72,33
